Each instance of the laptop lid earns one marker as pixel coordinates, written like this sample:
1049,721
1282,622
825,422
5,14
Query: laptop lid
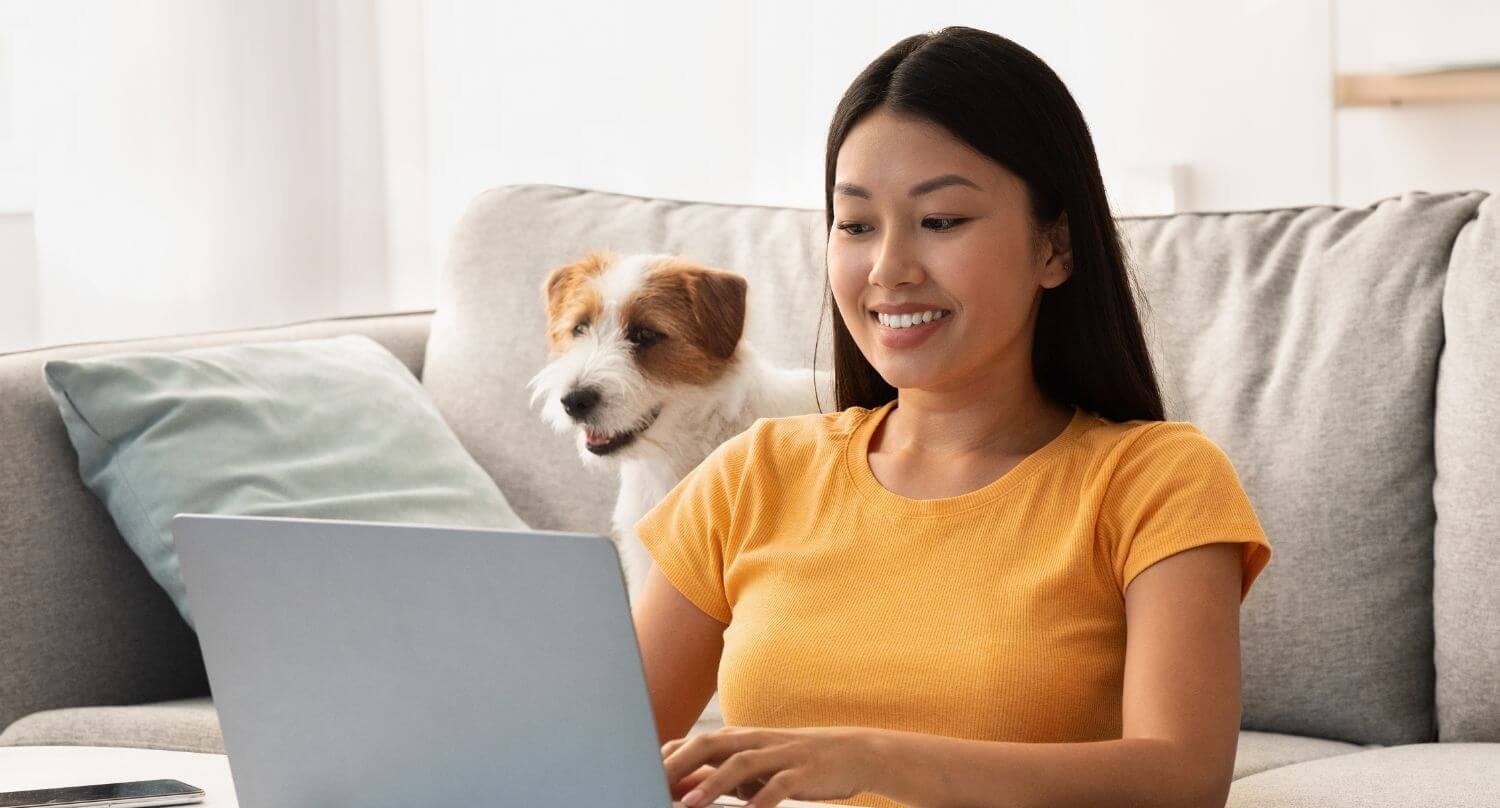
397,665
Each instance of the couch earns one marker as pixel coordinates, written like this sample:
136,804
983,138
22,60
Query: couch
1346,358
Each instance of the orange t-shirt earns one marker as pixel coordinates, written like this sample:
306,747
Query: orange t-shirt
998,614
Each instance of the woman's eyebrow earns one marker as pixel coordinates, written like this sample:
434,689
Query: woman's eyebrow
924,187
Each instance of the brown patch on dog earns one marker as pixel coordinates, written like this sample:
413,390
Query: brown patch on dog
700,310
571,297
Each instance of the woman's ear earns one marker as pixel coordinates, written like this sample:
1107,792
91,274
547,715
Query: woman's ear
1059,266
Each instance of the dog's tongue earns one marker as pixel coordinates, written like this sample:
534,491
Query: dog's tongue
595,438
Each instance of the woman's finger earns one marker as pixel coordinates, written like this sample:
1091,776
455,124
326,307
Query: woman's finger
773,791
745,769
690,782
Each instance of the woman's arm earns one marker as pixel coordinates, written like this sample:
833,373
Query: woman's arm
680,650
1181,713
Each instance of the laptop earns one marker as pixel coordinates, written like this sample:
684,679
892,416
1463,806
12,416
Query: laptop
396,665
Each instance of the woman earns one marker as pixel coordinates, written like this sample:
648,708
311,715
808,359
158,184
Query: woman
996,575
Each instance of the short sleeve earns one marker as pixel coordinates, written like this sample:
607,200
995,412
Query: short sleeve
1173,489
687,533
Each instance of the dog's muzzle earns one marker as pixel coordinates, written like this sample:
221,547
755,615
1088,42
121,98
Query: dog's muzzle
601,443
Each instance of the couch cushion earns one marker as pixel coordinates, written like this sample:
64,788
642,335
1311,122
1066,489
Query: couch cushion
1466,598
1433,775
1261,325
1304,342
488,338
72,596
333,428
1262,751
184,725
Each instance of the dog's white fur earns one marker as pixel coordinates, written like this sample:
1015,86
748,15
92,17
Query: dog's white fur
694,418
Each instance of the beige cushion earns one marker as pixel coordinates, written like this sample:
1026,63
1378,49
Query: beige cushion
186,725
1447,775
1262,751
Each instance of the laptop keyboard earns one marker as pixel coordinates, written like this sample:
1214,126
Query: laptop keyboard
727,801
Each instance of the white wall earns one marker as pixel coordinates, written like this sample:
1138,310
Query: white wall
19,327
217,164
401,30
1384,151
168,184
18,321
206,164
731,102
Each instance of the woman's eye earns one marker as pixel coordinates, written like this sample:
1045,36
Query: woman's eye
935,223
578,330
944,222
642,336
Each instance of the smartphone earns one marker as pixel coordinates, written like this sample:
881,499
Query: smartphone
136,794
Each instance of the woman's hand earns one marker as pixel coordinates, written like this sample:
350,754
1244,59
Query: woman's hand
766,766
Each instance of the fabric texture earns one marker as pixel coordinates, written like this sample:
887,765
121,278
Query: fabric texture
1262,751
997,614
1305,343
489,331
73,596
1431,775
182,725
1466,574
329,429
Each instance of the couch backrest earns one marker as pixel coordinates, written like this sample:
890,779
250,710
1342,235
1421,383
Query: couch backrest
1466,574
1305,341
81,621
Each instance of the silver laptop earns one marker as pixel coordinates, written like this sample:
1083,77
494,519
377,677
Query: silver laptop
373,664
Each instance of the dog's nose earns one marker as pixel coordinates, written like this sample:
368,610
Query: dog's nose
578,402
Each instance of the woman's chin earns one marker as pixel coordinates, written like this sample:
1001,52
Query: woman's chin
908,375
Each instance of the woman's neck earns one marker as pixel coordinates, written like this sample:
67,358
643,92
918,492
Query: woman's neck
1009,420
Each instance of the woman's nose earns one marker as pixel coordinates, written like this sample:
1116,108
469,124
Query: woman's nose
895,265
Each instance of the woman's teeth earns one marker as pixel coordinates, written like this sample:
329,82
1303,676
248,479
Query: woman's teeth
909,320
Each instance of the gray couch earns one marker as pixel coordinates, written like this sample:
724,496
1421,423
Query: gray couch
1346,359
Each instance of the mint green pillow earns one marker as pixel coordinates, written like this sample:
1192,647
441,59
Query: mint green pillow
326,428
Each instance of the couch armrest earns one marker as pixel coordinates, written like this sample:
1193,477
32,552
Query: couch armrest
81,621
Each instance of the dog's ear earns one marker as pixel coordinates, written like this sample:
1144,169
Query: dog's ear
718,305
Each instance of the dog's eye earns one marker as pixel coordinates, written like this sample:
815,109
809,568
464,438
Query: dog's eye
578,330
642,336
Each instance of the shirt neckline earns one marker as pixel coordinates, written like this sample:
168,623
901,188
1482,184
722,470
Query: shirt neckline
857,467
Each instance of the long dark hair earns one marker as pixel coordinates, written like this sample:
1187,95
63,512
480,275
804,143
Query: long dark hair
1005,102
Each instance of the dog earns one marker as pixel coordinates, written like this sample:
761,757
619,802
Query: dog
648,368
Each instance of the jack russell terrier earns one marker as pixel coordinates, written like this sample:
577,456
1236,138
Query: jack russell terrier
647,365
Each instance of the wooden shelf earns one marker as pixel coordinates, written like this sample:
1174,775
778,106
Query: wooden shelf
1398,89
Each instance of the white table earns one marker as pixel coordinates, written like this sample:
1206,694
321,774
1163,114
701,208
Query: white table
23,768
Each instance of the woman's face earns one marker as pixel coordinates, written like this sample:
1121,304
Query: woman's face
921,218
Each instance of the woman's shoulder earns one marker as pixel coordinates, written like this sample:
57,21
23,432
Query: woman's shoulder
801,441
1144,454
803,431
1103,436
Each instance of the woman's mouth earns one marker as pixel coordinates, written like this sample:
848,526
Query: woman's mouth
908,330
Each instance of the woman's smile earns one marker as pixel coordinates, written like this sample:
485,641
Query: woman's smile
894,333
